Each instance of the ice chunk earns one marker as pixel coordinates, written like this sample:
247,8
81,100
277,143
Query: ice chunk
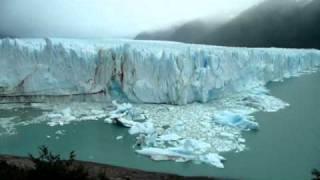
169,137
60,132
7,125
124,115
121,108
189,150
119,137
123,122
237,120
213,159
260,99
195,146
62,114
142,128
64,117
165,154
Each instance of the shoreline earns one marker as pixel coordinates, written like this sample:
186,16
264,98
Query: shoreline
110,171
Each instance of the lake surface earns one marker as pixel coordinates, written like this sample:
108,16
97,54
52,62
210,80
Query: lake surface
287,146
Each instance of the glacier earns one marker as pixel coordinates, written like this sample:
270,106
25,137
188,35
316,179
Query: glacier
183,102
141,72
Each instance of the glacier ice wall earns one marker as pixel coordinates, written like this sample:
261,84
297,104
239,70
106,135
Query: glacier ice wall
140,71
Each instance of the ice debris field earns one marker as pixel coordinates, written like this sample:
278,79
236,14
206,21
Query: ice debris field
183,102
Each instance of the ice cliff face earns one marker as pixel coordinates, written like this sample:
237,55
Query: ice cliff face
142,72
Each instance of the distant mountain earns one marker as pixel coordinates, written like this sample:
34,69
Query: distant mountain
4,36
278,23
188,32
273,23
163,34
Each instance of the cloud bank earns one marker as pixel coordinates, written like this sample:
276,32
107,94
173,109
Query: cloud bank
106,18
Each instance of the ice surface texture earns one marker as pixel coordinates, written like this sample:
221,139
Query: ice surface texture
140,71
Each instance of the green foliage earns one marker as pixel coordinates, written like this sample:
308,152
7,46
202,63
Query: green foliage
316,174
51,166
47,166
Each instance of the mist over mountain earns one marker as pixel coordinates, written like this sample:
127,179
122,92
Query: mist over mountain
273,23
189,32
2,36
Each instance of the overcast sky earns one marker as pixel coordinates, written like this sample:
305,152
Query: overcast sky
106,18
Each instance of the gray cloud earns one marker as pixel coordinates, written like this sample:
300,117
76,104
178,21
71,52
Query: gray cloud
106,18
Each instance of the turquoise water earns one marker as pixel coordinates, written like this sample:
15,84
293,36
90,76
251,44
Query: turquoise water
287,145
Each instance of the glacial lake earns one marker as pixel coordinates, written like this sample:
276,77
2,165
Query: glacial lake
287,146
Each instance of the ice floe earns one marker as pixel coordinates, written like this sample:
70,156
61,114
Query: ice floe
237,120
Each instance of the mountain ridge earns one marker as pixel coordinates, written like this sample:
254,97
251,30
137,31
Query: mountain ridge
272,23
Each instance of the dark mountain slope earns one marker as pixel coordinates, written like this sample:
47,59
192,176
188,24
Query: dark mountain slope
188,32
273,23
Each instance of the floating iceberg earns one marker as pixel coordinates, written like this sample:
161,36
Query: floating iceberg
142,128
189,150
237,120
125,116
